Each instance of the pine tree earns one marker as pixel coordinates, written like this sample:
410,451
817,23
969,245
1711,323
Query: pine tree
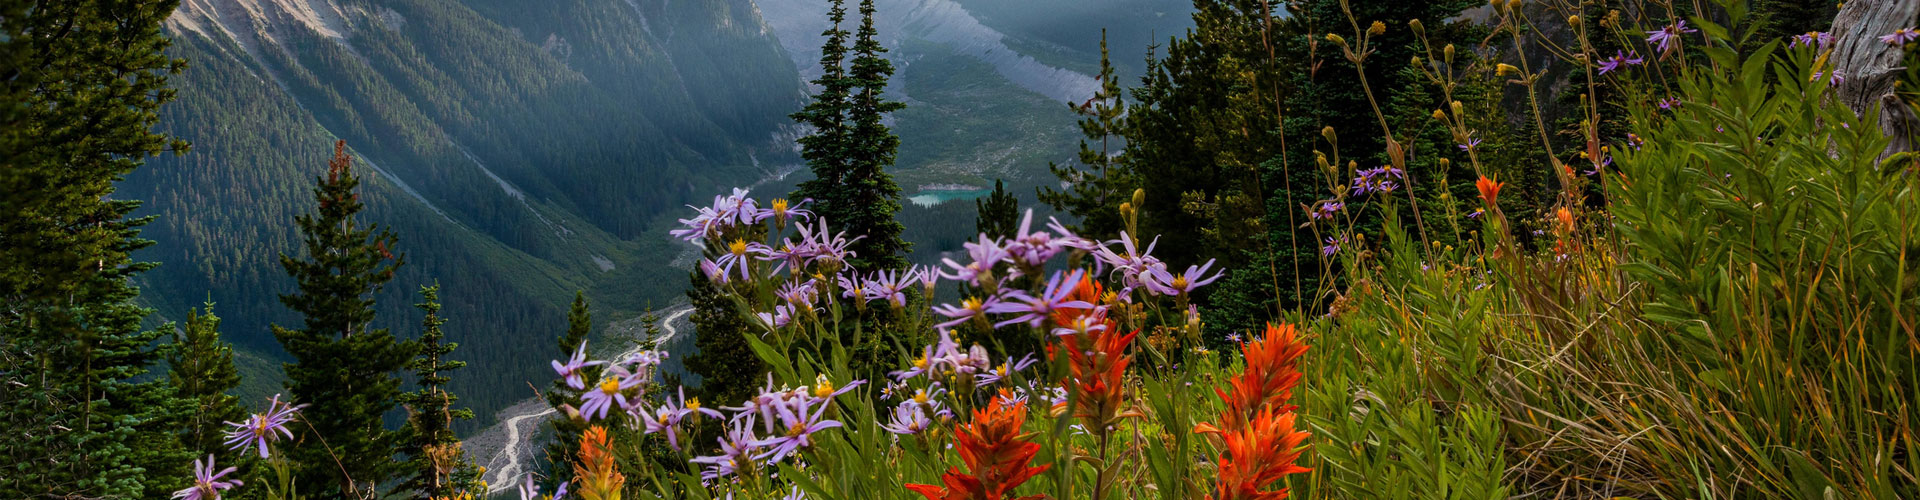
201,371
566,431
998,213
81,82
825,150
729,371
1096,189
872,198
851,147
345,369
438,466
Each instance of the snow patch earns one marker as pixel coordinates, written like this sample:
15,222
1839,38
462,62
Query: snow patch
605,263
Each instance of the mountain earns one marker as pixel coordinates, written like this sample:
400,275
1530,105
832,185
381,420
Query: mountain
523,150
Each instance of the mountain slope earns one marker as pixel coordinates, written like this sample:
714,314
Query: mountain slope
521,151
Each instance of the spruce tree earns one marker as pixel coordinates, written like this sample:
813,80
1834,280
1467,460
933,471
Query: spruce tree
1096,188
566,431
81,82
998,213
825,148
200,369
345,368
438,466
871,197
729,371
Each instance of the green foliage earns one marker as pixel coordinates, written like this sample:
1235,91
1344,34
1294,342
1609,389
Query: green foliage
200,369
727,367
1095,194
566,431
81,83
435,463
345,369
997,213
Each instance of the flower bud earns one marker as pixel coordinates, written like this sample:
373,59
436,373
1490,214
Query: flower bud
1455,106
1513,4
1448,52
1139,197
1417,28
1573,20
1327,132
1336,39
1504,69
1438,115
1377,28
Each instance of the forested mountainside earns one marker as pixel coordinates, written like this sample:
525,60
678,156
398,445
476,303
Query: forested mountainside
520,149
523,150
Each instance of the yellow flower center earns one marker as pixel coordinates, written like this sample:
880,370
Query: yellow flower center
822,387
920,397
610,386
972,304
796,430
738,247
780,206
1180,283
693,404
920,362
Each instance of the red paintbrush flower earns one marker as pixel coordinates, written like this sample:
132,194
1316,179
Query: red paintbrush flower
1258,454
1097,352
1489,189
996,454
1258,424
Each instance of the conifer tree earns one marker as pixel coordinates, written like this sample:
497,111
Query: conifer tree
872,198
566,431
438,466
825,148
200,369
345,369
1096,188
851,147
729,370
81,82
998,213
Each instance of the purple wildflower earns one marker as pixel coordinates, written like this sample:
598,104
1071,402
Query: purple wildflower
985,254
1132,264
781,212
262,428
781,316
570,371
1004,369
801,420
207,484
1378,180
826,246
908,418
1472,142
1901,36
609,393
889,285
1324,209
1332,247
1620,59
1034,248
1233,337
736,450
713,272
1034,310
1165,283
739,254
1669,103
1818,39
1667,36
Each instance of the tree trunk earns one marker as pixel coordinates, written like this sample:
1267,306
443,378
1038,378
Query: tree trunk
1868,67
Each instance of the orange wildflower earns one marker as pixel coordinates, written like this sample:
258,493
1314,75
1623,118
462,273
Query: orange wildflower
1489,189
594,469
1097,352
996,453
1258,424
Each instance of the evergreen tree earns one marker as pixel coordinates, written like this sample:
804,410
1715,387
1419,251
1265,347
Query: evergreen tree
200,369
345,369
851,147
1094,194
872,198
438,466
729,370
998,213
825,150
566,431
81,82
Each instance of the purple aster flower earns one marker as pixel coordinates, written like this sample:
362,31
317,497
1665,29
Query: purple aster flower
1472,142
705,224
908,418
967,309
1378,180
1094,320
800,419
1667,36
1670,103
1833,78
829,247
1324,209
1901,36
570,371
1132,264
799,293
781,316
644,361
1332,247
781,212
927,276
737,209
207,484
985,254
1033,310
1476,213
531,491
762,404
1033,248
262,428
736,450
920,365
1004,369
889,285
1165,283
851,286
713,272
1067,239
1620,59
790,255
611,392
1233,337
739,254
1812,39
